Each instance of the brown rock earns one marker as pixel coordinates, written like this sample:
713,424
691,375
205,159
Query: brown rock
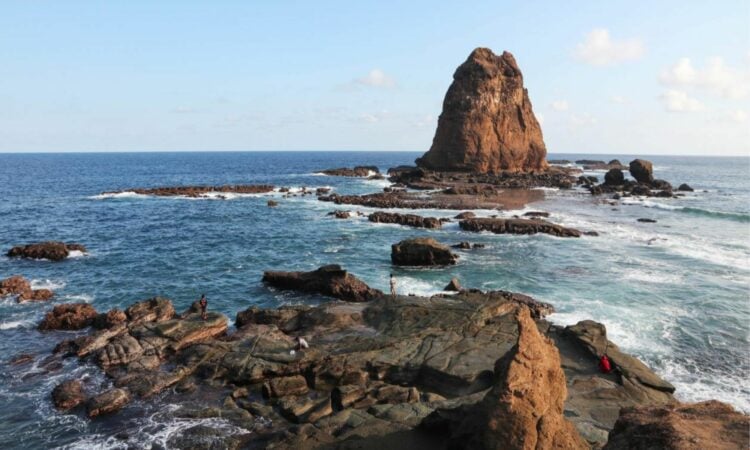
614,177
107,402
465,215
111,318
283,386
68,316
329,280
156,309
642,170
35,295
694,426
52,250
518,226
524,409
411,220
487,123
421,252
14,285
68,394
272,203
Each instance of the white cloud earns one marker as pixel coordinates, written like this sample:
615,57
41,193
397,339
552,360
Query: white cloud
679,101
376,78
715,76
183,110
582,119
374,117
560,105
738,116
619,99
599,49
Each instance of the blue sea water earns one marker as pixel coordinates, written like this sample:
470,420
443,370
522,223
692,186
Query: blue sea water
674,293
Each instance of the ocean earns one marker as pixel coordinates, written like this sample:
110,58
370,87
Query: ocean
674,293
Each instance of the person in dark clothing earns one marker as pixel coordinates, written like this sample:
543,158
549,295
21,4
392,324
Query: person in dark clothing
204,305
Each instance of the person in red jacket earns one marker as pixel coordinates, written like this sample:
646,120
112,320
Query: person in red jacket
605,366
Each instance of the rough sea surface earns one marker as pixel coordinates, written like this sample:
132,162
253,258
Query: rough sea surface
674,293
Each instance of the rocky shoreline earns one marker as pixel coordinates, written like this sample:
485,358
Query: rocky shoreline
418,367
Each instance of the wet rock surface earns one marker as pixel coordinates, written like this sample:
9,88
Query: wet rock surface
487,123
198,191
375,373
421,252
51,250
518,226
20,287
410,220
329,280
68,395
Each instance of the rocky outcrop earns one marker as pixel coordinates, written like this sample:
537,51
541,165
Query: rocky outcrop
642,171
614,177
524,409
107,402
421,252
592,336
69,316
518,226
684,187
21,288
695,426
410,220
329,280
197,191
51,250
487,124
14,285
357,171
373,371
68,395
156,309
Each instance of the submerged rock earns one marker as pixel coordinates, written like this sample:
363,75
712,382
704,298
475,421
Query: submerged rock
487,124
198,191
518,226
329,280
421,252
691,426
358,171
51,250
68,395
410,220
685,188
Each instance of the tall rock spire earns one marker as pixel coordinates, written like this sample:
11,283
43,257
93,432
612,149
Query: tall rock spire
487,124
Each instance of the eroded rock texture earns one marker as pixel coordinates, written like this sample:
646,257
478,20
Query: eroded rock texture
487,124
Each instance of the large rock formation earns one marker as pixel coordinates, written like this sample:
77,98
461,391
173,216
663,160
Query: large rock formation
524,409
329,280
694,426
421,252
410,220
487,124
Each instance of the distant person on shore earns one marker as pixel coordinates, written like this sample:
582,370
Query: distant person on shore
301,343
393,286
204,305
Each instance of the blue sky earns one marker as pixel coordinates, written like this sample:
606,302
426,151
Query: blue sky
667,77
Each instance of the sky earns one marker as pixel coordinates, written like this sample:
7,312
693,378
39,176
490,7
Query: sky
614,77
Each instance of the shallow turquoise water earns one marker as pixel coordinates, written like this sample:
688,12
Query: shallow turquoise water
674,293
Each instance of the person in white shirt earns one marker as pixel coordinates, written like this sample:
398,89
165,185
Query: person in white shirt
393,286
301,343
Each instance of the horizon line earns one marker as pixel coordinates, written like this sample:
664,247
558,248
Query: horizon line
99,152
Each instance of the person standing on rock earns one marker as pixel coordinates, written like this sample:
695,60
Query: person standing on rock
204,305
393,286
